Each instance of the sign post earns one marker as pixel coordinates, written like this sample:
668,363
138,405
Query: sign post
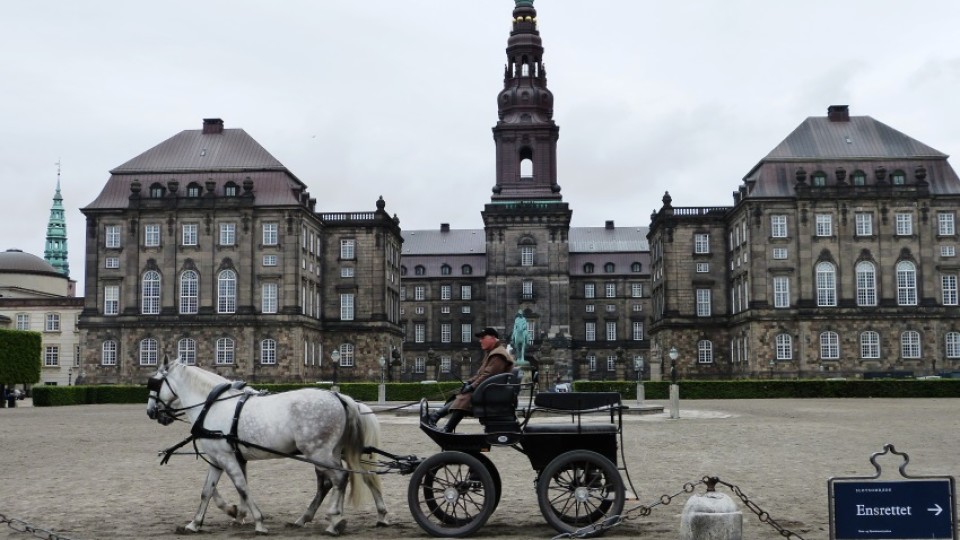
910,508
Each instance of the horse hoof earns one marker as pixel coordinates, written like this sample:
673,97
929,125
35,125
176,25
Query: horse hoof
336,529
233,511
183,529
383,523
295,525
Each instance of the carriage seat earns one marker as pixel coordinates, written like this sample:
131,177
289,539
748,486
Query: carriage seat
494,402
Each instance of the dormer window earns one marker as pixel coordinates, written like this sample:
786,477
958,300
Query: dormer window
588,268
420,270
445,270
898,178
466,269
819,179
609,268
193,190
636,267
230,190
859,178
156,191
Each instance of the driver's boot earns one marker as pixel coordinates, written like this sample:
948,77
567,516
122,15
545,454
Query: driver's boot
451,424
436,415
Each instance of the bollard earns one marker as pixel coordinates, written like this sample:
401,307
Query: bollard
711,516
674,401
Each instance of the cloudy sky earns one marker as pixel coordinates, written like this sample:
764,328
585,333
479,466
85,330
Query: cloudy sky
397,97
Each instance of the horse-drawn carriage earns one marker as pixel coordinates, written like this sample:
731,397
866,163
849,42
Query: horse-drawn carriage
452,493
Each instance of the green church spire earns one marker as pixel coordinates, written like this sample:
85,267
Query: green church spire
56,250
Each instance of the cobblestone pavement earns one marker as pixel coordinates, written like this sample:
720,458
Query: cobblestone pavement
93,472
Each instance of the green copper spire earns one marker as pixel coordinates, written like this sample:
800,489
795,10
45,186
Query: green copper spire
56,250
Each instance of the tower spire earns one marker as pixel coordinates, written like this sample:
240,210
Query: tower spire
55,252
525,135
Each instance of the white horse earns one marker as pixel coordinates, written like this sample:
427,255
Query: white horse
328,429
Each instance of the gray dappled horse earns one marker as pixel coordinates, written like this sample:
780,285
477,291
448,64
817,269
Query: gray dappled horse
327,428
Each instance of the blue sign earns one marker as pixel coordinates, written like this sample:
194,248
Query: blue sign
901,510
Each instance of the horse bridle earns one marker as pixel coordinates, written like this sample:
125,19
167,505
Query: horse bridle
168,413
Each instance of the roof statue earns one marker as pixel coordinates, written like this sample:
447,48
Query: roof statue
518,339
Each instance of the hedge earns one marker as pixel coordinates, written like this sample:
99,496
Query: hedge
19,356
47,396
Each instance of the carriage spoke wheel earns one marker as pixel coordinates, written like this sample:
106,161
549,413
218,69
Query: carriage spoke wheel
451,494
578,489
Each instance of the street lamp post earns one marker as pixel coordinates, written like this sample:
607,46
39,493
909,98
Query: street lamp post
638,368
674,388
382,389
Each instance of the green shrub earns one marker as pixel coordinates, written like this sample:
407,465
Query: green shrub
19,357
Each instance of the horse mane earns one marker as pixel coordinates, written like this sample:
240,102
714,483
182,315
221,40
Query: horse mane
198,377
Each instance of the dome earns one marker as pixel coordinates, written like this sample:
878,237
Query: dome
15,261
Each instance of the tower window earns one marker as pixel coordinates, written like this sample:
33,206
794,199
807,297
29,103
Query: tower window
526,163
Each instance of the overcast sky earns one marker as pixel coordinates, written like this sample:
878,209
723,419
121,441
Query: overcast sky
397,97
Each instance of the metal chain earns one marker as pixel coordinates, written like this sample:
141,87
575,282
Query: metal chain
24,527
762,514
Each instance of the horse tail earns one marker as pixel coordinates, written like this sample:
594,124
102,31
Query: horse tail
371,439
352,448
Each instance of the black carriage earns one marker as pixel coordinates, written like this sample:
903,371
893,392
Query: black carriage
579,484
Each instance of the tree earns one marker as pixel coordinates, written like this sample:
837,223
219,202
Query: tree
19,358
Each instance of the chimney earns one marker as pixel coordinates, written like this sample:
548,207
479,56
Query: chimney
212,126
609,225
838,113
444,227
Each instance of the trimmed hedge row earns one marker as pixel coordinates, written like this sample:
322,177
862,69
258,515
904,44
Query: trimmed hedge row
49,396
19,356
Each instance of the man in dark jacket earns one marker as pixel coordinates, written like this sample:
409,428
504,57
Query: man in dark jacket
496,360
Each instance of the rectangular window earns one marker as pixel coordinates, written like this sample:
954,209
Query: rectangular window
444,309
611,331
590,308
23,321
701,243
949,286
592,362
346,271
611,363
611,290
269,260
228,234
590,333
112,236
466,292
824,225
466,333
778,226
348,248
189,235
781,292
52,322
779,253
526,256
589,290
419,364
112,262
151,235
445,292
904,224
420,310
526,289
638,331
419,292
446,333
611,308
703,268
51,356
269,300
108,356
948,251
346,307
945,224
403,294
636,290
864,224
870,345
465,309
703,303
419,333
111,300
829,346
270,235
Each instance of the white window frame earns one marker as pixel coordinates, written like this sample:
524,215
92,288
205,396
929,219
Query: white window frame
23,321
149,352
347,351
466,332
826,279
589,331
610,289
419,332
111,236
271,234
906,283
863,224
703,267
111,262
347,306
637,331
946,224
780,253
108,353
51,356
952,344
704,303
784,346
526,255
268,297
187,351
228,234
420,293
151,235
829,346
781,292
589,290
869,345
704,351
948,251
701,243
225,351
348,249
466,292
904,223
446,332
150,288
227,291
189,292
866,276
446,292
268,352
910,344
778,226
189,235
824,225
636,290
269,260
111,300
611,331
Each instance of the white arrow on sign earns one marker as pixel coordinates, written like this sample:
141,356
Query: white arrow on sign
936,511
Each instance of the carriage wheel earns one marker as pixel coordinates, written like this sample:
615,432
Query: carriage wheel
495,474
451,494
578,489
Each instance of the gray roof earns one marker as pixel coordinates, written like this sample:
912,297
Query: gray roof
436,242
602,239
14,261
193,150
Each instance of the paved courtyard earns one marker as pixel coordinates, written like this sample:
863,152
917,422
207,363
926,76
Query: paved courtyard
93,472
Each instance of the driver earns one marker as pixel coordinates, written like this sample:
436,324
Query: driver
496,360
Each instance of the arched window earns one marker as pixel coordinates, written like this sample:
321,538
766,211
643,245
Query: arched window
224,351
906,283
189,292
588,268
466,269
829,346
866,284
193,190
826,284
636,267
910,344
609,268
268,351
108,355
705,351
346,355
420,270
150,299
859,178
526,163
187,351
784,347
953,344
445,270
156,191
148,352
869,344
227,292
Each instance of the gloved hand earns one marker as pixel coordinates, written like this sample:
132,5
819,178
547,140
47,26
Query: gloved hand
467,388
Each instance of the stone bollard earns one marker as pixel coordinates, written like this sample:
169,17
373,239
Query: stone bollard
711,516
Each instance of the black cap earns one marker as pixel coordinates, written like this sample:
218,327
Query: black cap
488,332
